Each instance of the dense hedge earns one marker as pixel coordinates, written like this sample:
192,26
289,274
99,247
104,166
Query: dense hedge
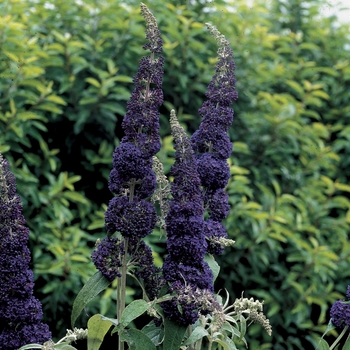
65,74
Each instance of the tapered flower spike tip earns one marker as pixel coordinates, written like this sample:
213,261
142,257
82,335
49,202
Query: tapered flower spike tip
155,43
220,38
182,142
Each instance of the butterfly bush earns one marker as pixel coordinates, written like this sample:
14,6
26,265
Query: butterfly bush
191,211
20,311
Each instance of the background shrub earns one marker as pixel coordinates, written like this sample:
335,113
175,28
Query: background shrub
65,74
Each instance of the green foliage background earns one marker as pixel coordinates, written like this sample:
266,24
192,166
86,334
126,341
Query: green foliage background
66,72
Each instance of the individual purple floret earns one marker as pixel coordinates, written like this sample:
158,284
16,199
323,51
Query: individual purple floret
185,265
340,314
211,142
20,311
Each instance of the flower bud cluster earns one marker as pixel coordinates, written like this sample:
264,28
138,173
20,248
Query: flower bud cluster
132,178
212,144
20,311
254,309
162,192
184,267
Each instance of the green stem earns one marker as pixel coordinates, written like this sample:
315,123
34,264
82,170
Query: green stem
203,323
121,289
339,337
122,281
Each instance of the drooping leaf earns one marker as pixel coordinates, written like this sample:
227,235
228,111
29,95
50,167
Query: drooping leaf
322,345
198,333
214,266
156,334
132,311
173,335
95,285
137,339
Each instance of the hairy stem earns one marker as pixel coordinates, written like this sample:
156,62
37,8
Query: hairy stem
339,337
123,271
121,289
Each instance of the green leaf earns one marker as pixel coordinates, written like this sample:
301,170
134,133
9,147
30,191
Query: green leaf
95,285
132,311
75,197
198,333
123,79
97,329
342,187
64,346
154,333
93,82
214,266
113,320
56,99
31,346
347,344
4,148
224,344
295,86
137,339
322,345
173,335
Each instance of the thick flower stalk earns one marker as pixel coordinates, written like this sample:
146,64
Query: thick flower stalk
20,311
213,146
185,266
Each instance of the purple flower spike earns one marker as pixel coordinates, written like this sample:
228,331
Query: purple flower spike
20,311
212,144
185,265
155,43
132,178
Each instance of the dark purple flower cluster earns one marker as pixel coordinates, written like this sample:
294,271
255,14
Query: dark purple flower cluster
188,302
132,178
212,144
185,265
20,311
135,218
107,257
340,312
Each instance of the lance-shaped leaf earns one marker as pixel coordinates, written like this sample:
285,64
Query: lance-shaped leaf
95,285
